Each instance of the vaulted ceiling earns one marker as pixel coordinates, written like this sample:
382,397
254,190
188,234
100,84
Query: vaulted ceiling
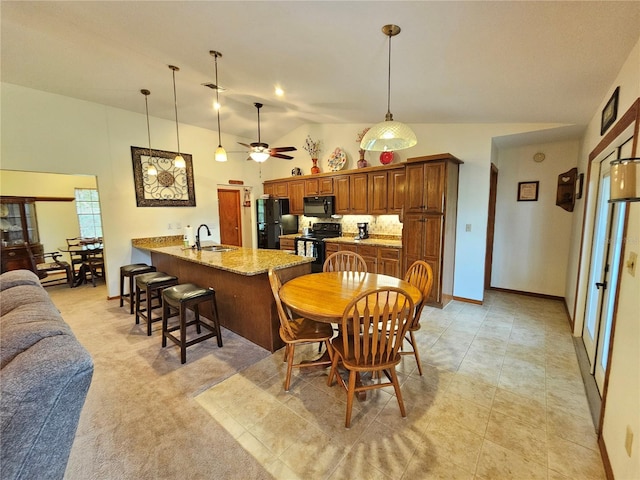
453,62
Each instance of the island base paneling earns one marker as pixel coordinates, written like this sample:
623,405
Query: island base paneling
245,302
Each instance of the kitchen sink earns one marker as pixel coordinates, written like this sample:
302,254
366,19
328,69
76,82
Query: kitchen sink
218,248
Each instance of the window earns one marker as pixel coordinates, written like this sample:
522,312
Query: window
88,210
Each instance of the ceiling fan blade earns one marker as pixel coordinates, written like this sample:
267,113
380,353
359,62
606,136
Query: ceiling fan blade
284,149
244,144
279,155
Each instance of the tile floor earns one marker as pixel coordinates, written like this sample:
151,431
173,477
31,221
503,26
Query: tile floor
501,398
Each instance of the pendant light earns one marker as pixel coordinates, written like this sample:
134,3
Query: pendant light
178,162
625,180
151,169
389,135
221,154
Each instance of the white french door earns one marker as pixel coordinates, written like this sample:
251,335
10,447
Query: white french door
603,275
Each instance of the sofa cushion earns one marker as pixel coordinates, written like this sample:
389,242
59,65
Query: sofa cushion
20,295
18,277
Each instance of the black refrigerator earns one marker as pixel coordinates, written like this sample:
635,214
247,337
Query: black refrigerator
274,220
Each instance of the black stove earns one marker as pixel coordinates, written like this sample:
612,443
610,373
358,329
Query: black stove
312,245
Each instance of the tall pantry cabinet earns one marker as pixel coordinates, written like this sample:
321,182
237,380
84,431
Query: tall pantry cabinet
429,230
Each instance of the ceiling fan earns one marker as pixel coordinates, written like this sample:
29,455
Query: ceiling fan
260,151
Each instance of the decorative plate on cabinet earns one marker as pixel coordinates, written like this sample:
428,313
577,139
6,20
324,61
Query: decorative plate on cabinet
337,159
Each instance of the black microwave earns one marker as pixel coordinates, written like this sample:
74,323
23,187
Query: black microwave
322,207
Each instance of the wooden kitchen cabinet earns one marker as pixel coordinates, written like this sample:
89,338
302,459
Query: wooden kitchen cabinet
296,197
429,229
325,186
389,261
341,185
378,193
370,255
20,236
311,187
287,244
351,194
396,187
278,189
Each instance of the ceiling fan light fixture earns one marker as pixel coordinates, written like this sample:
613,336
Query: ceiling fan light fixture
260,156
389,135
220,154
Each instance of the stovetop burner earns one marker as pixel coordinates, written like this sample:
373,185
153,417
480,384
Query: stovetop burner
324,230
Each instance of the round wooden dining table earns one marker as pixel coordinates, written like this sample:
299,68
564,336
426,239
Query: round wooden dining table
324,296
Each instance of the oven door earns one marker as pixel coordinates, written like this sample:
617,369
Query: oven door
311,247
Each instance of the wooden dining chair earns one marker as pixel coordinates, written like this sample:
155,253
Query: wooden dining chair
295,331
420,275
76,259
345,261
50,263
372,329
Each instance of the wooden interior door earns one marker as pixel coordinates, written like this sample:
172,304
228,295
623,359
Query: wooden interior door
491,222
230,218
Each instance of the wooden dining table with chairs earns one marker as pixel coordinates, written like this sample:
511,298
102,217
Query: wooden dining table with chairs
87,259
324,296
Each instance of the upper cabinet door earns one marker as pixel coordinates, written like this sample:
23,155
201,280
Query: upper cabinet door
378,188
434,187
414,189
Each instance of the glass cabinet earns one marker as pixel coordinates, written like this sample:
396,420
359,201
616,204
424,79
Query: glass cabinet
19,229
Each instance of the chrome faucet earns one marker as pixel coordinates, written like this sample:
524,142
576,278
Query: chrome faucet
198,246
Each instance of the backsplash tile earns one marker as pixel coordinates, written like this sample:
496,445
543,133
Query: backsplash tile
379,225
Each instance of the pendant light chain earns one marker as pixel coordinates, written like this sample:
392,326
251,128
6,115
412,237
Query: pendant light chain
146,107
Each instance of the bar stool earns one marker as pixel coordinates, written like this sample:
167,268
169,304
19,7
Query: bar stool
130,271
151,284
180,298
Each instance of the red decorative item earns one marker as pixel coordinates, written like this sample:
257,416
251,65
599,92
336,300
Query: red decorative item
386,158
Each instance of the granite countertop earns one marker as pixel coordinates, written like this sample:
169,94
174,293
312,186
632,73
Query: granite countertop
243,261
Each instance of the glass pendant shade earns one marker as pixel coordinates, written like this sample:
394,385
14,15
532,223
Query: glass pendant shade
152,170
625,180
259,156
221,154
179,162
388,136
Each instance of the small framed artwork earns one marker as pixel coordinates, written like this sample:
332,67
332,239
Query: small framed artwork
609,112
159,182
528,191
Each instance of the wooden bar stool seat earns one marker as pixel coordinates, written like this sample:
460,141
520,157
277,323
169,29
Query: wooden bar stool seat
151,284
180,298
130,271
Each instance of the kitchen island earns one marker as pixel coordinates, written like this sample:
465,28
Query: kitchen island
239,277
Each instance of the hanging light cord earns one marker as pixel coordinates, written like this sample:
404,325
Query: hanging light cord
217,98
389,116
175,105
146,106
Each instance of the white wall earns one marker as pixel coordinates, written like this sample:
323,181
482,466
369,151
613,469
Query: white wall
532,239
623,395
472,143
57,221
42,132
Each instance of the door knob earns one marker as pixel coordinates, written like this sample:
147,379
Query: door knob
603,285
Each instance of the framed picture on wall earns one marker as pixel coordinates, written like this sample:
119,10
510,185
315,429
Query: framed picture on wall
609,112
528,191
159,182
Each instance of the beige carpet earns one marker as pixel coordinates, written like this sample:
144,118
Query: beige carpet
140,420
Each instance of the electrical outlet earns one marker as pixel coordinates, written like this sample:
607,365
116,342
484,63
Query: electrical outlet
467,227
631,263
170,226
628,441
178,226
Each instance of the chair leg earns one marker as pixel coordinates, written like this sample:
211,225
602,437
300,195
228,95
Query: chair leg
137,295
396,387
165,322
149,295
131,288
196,312
287,381
122,289
216,321
334,368
350,394
415,352
183,334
